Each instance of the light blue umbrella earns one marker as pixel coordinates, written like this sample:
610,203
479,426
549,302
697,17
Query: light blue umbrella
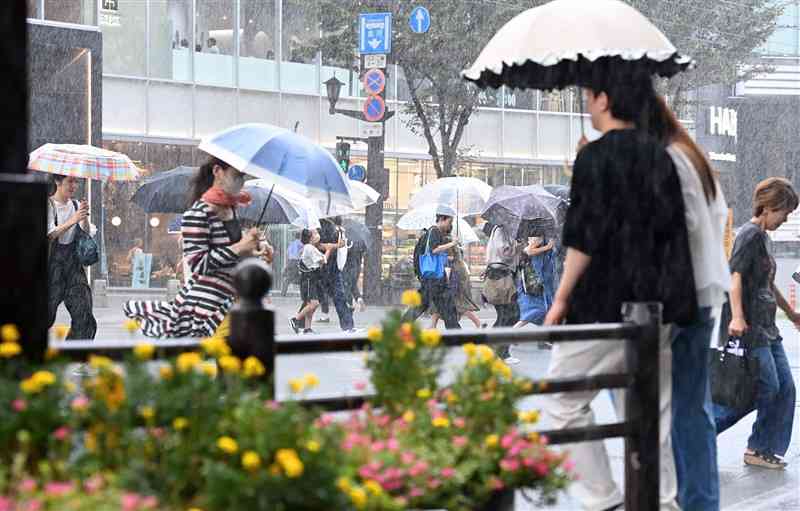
286,159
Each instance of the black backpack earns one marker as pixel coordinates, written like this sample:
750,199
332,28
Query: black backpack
419,249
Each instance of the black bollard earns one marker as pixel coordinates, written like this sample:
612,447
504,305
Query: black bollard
253,326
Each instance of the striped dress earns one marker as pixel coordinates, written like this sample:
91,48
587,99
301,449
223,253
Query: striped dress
203,302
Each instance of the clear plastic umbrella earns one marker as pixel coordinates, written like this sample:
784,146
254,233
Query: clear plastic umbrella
466,195
424,217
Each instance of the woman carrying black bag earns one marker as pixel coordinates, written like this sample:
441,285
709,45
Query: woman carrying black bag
66,275
754,300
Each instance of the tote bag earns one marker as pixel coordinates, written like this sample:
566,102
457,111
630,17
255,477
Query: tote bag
733,378
432,265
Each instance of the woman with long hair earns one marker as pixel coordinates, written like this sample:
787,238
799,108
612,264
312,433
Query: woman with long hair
693,432
213,244
66,276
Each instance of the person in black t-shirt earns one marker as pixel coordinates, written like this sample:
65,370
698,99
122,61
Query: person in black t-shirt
434,290
331,232
627,242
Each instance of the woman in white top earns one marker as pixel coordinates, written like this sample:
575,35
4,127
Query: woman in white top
66,276
694,436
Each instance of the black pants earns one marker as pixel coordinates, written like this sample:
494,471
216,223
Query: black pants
436,292
507,315
67,283
332,286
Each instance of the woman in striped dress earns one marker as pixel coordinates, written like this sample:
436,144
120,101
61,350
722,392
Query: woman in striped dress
213,244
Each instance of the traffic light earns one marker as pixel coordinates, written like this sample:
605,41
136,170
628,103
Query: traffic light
343,155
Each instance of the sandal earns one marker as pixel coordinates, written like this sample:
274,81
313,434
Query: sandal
757,459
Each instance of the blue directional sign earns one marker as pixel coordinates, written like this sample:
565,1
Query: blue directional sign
375,33
420,20
357,173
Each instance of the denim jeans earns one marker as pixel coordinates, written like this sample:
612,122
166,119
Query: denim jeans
333,286
775,401
694,436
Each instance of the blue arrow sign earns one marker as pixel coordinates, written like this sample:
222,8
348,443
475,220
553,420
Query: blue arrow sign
375,33
357,173
420,20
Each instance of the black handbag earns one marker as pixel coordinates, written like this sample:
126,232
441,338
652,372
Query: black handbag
85,246
733,378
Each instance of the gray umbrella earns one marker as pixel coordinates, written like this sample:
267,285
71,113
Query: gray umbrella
513,206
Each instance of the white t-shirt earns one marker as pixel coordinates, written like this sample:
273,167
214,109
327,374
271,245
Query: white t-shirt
63,213
312,258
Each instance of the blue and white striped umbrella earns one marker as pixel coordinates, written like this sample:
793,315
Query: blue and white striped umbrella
285,158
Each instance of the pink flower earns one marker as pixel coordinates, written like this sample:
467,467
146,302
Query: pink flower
366,472
34,505
529,462
432,403
448,472
509,465
459,441
27,485
392,485
459,422
94,484
19,405
80,403
507,441
378,446
326,420
149,502
544,440
130,501
496,483
392,444
569,465
541,469
58,489
419,468
61,433
360,385
434,483
407,457
517,448
383,420
415,492
6,504
157,433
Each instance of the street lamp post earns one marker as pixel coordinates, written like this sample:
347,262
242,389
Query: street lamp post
375,178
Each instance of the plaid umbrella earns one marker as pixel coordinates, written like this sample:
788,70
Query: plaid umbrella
83,161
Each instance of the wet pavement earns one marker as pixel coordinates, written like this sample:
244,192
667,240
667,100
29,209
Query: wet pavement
742,488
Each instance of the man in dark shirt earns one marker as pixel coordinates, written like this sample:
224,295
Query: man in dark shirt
627,242
332,283
434,290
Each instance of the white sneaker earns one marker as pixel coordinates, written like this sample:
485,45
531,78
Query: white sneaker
324,318
511,361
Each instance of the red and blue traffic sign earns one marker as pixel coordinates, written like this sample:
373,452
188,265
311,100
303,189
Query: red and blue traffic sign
374,109
374,81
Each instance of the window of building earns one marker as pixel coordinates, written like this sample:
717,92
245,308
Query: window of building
124,32
71,11
171,39
33,8
214,43
300,31
257,45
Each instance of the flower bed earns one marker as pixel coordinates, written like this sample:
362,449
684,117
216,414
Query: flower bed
200,431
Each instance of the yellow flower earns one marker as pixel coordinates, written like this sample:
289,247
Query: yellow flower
431,337
144,351
44,378
423,393
61,331
131,325
230,364
441,422
344,484
30,386
500,368
147,413
374,334
311,380
533,436
492,441
409,416
180,423
9,333
359,497
530,417
296,385
251,461
209,368
165,372
485,353
312,446
290,462
470,349
412,298
452,397
228,445
50,354
253,368
373,487
216,347
188,361
9,349
99,362
90,442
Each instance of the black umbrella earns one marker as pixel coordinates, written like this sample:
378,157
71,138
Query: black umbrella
165,192
531,207
356,231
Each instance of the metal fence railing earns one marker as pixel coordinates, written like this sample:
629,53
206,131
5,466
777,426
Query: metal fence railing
252,334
